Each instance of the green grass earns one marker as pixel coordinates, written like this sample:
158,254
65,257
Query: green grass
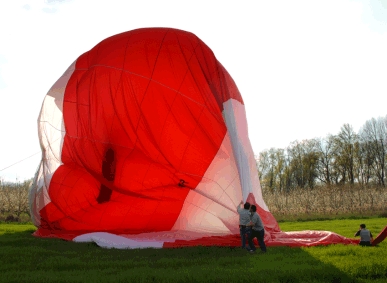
363,264
345,227
25,258
318,216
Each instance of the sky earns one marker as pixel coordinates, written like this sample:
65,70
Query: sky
304,68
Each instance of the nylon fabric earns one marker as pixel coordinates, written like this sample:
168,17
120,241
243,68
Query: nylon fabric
145,144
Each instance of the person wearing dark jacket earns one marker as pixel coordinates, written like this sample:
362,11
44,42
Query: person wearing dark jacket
244,219
257,231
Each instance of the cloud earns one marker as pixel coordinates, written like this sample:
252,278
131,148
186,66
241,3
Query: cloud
54,2
2,83
52,6
46,6
375,15
2,61
49,10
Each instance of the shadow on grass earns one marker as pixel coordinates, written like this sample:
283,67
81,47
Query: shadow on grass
26,258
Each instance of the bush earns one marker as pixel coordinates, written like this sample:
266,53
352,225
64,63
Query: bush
11,218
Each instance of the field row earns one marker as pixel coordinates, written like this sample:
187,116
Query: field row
335,200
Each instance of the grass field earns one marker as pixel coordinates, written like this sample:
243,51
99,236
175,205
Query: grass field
25,258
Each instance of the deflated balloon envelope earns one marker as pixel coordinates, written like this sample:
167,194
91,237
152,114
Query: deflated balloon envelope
135,139
144,138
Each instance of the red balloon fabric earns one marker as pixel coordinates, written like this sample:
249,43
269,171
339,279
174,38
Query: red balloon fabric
144,139
380,238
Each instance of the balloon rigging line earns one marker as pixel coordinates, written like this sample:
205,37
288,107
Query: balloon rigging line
20,160
147,78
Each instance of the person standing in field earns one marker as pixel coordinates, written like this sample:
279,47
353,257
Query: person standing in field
244,219
258,231
365,236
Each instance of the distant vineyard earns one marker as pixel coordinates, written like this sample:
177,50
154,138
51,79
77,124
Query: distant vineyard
333,200
14,204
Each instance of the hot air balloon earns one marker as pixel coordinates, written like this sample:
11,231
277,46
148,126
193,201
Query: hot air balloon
145,144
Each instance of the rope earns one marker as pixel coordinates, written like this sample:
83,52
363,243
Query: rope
20,160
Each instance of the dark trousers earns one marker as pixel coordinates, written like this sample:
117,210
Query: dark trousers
260,236
245,233
365,243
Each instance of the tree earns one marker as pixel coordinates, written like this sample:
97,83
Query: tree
374,135
303,162
344,153
325,152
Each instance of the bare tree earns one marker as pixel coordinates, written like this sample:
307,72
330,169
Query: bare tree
374,135
2,196
325,151
310,162
345,154
272,164
263,167
303,162
344,158
296,154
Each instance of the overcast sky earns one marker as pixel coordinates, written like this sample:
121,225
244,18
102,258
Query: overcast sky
304,68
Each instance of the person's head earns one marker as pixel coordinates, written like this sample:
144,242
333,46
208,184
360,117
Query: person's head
362,226
253,208
247,205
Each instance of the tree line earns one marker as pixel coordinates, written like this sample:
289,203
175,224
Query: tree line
14,200
345,158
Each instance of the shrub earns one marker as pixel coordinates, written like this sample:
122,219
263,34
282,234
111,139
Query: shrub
11,218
